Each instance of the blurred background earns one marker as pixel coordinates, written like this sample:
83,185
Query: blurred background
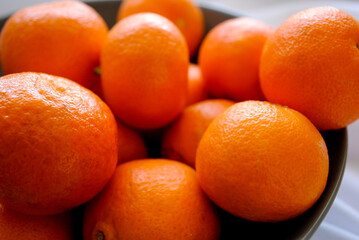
343,219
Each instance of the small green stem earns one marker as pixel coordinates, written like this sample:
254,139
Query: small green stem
97,70
100,236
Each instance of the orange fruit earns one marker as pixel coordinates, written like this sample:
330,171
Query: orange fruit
59,38
311,64
229,58
262,162
58,143
144,71
196,90
151,199
181,139
18,226
185,14
131,145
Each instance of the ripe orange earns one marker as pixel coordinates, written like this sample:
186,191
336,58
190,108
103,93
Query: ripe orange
185,14
181,139
131,145
311,64
196,90
262,162
58,143
229,58
144,71
18,226
59,38
151,199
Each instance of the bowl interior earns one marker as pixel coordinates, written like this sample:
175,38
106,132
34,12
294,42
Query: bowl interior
301,227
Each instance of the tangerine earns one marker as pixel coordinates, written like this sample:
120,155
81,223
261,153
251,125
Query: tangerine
196,89
181,139
60,38
144,71
131,144
151,199
185,14
19,226
262,162
229,58
311,62
58,143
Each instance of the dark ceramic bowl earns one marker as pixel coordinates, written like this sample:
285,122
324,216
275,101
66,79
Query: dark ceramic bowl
301,227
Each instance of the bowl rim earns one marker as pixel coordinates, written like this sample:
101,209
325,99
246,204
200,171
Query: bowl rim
233,13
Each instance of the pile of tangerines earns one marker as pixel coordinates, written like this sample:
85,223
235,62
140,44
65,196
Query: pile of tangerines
81,103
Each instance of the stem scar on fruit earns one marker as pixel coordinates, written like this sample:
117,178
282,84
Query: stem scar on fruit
97,70
100,236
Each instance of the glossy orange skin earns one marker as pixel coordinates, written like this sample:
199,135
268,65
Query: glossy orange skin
131,144
18,226
58,143
196,89
144,71
185,14
262,162
152,199
181,139
60,38
229,59
311,64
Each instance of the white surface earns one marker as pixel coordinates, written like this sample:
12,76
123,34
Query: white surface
342,221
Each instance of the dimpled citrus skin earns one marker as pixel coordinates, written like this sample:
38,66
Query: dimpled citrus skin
185,14
311,63
61,38
19,226
151,199
229,59
58,143
144,71
181,139
262,162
